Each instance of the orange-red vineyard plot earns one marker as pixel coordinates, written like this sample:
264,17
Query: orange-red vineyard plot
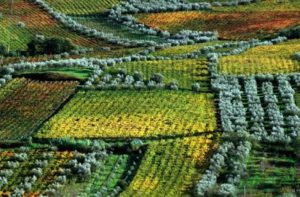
22,111
236,25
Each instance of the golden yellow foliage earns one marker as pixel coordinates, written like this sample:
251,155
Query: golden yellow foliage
126,114
171,167
272,59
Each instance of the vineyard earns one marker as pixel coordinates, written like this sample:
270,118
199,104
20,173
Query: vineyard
48,170
75,7
263,60
183,72
29,20
276,172
238,22
26,104
138,114
154,98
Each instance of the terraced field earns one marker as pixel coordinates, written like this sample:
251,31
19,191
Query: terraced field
184,72
75,7
176,98
263,60
138,114
29,20
28,103
243,25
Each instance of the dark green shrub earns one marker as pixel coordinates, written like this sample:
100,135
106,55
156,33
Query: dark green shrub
3,50
39,46
292,32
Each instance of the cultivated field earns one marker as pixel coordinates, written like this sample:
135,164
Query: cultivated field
175,98
130,114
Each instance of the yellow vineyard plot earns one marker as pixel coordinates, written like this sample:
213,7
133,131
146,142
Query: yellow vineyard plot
171,167
273,59
123,114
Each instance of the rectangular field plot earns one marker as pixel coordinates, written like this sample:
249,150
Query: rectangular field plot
272,170
82,7
184,72
180,50
25,104
36,21
263,60
230,25
125,114
171,167
42,170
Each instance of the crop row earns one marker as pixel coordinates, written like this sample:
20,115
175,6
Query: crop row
82,7
39,171
271,59
142,74
127,114
239,27
29,104
171,167
263,106
273,168
227,166
37,22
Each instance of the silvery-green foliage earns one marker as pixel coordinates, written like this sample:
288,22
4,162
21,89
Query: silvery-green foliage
227,189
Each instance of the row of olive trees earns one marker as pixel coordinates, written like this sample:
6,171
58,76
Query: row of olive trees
291,111
123,12
255,109
135,81
239,47
232,110
29,181
233,3
155,6
77,27
8,168
95,64
283,125
123,80
276,119
229,161
211,49
82,166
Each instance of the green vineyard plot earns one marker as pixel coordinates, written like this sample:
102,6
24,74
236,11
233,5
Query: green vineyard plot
184,72
102,23
82,7
29,20
47,170
272,170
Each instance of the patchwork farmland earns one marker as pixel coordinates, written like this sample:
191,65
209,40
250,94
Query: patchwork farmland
149,98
